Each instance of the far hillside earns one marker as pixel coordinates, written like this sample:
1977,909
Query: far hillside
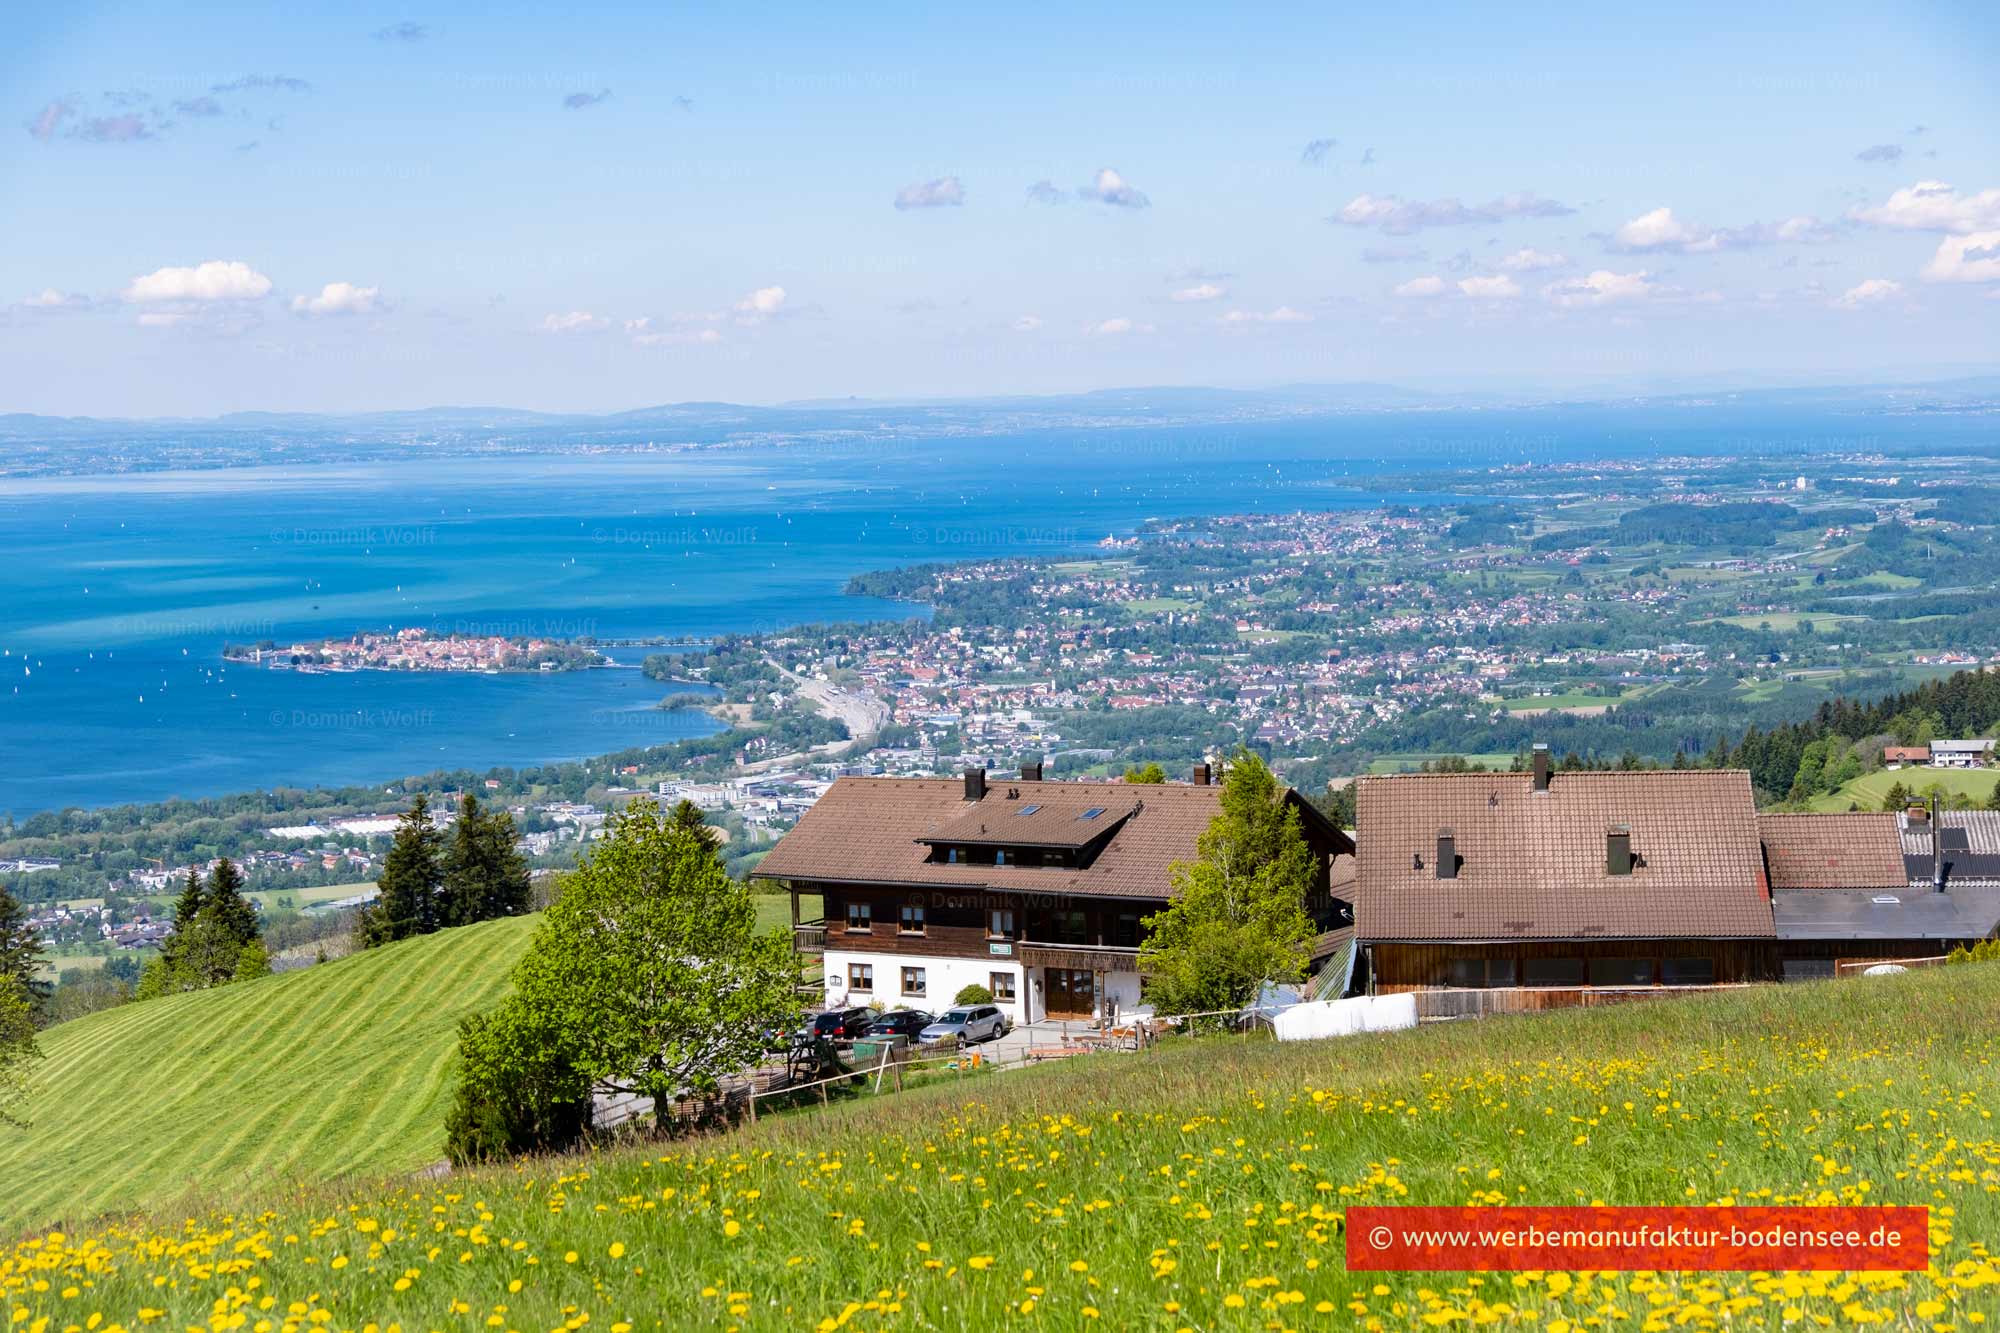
342,1068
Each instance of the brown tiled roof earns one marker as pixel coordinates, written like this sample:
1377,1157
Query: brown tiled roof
873,831
1010,817
1854,850
1532,864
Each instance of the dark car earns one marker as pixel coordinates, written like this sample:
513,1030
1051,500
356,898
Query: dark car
842,1024
902,1023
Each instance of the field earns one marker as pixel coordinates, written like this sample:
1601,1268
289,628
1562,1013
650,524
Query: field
1868,790
1409,763
309,1074
1202,1186
1785,622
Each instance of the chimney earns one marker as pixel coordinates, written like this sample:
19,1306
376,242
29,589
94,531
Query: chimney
1937,848
1618,850
1199,777
1447,857
975,784
1032,772
1541,767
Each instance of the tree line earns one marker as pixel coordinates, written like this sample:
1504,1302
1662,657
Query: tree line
431,880
216,939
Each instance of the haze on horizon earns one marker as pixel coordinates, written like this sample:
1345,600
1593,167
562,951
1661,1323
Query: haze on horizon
395,207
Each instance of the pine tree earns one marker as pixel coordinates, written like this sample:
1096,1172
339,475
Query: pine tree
484,876
226,904
411,883
20,944
186,909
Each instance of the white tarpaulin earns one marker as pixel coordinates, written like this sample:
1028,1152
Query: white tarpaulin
1342,1018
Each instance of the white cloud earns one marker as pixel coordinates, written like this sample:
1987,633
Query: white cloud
1602,287
216,280
1401,217
644,333
1660,230
760,305
337,298
1531,260
1429,285
576,321
1111,328
1027,323
1974,258
1935,206
1284,314
160,319
944,192
50,299
1108,187
1207,291
1490,289
1869,293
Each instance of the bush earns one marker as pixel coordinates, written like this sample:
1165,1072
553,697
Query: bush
1986,951
974,994
512,1098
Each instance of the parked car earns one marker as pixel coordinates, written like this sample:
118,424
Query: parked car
842,1024
901,1023
970,1023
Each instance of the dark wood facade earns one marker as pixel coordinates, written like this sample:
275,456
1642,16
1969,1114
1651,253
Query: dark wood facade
1570,964
961,924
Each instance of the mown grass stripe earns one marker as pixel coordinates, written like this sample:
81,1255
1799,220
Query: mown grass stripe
342,1067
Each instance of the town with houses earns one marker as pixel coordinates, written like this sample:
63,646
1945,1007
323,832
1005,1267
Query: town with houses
1657,607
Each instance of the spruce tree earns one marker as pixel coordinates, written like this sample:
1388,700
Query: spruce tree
186,909
20,944
225,902
485,877
409,889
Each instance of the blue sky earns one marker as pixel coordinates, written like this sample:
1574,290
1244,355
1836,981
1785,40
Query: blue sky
213,207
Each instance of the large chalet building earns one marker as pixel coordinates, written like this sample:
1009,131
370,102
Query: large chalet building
1602,881
1571,880
1550,887
1034,889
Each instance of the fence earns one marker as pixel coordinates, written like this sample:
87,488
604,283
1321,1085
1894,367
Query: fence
1850,967
1433,1005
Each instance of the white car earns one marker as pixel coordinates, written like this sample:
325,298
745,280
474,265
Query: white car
967,1024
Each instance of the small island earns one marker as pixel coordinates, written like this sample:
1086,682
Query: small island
419,649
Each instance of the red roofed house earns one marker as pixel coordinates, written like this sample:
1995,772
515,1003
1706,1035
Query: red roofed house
1033,889
1562,881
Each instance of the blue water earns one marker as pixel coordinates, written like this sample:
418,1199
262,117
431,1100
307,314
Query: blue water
120,591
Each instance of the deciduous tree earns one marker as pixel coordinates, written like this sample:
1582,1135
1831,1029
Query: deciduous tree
1238,917
18,1050
648,976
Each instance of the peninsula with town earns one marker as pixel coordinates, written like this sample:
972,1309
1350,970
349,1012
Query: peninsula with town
420,649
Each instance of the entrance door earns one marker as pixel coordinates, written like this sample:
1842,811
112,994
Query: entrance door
1071,994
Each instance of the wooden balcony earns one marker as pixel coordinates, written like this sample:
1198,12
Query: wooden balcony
1079,957
809,936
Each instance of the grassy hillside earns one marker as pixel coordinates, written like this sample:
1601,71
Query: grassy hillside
1201,1186
1868,790
304,1075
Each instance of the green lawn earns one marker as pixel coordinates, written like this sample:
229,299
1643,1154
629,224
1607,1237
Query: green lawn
1785,622
1148,606
1409,763
312,896
1556,702
1201,1185
1868,790
344,1067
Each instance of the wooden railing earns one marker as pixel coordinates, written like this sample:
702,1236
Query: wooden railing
1476,1003
1082,957
809,936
